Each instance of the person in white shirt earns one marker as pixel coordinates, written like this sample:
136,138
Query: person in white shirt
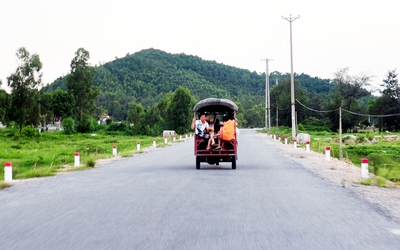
203,129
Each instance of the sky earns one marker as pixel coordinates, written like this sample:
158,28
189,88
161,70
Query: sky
362,35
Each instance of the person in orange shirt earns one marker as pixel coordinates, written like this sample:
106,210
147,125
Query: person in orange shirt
227,132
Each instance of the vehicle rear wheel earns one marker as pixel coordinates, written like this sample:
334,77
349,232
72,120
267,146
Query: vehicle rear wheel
233,162
197,162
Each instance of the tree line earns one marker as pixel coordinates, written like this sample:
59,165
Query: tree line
151,91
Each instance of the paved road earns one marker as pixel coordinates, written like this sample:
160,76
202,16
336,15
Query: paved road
158,200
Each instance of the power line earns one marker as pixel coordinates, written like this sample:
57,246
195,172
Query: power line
320,111
348,111
376,116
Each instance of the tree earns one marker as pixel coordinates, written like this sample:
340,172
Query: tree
136,115
24,85
391,85
280,98
135,112
388,103
61,104
180,110
80,84
45,110
348,93
255,116
153,121
5,104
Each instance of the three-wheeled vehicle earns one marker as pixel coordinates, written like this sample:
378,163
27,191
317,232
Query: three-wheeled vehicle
222,109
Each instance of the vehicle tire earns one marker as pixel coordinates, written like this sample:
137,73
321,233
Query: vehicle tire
233,162
197,162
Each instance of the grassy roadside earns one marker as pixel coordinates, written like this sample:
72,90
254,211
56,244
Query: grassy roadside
53,151
381,150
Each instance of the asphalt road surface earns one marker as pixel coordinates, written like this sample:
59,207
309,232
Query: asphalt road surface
158,200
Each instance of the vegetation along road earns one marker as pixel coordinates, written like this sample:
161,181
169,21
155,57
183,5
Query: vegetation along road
158,200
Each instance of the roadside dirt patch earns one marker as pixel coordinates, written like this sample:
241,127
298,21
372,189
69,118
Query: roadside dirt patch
345,174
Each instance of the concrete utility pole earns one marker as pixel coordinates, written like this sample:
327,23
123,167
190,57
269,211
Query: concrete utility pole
291,19
267,97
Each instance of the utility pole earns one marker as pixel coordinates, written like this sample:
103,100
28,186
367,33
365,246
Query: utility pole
340,132
291,20
277,116
267,97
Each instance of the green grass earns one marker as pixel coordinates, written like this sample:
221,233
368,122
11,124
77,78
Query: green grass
4,184
383,155
46,155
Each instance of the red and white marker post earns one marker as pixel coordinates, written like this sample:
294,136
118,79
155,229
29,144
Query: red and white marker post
295,143
7,172
165,139
174,138
364,168
180,137
154,143
328,153
114,150
138,146
285,139
307,146
77,159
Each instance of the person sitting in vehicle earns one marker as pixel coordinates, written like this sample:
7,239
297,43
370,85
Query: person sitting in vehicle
203,130
217,126
227,131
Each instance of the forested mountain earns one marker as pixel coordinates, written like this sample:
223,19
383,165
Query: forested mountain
146,76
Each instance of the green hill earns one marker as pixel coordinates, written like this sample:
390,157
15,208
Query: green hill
148,75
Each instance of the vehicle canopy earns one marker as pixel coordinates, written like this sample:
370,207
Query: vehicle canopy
216,105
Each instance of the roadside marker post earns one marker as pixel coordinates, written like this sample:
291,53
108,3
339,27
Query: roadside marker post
364,168
165,139
7,172
114,150
180,137
295,143
138,146
279,138
186,136
174,138
307,146
274,136
285,139
328,153
77,159
154,143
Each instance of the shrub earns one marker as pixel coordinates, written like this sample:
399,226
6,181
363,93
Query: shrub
68,125
117,126
12,129
86,125
300,127
360,139
30,131
91,163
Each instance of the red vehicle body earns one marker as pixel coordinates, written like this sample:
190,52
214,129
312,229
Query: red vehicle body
228,153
